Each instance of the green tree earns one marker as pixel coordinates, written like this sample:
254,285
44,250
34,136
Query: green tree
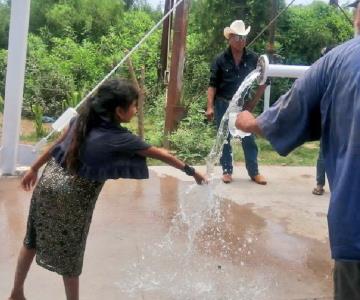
84,19
208,18
308,29
54,73
4,24
58,67
38,12
3,63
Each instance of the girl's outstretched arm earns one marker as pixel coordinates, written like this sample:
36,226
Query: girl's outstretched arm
165,156
29,179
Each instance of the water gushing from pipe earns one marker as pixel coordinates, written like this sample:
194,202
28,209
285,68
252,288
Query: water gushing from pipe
236,103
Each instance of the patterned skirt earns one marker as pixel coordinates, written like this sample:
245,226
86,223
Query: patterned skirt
59,219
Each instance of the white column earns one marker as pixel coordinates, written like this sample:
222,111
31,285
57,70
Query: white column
19,25
267,97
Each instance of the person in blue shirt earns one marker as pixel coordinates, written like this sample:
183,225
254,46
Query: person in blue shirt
93,149
228,71
325,103
320,166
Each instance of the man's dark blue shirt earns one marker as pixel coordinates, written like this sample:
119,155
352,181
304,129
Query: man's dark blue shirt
226,76
326,102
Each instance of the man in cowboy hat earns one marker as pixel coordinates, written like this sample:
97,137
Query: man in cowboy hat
228,71
325,103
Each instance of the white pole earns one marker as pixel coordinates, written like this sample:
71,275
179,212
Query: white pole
19,25
267,97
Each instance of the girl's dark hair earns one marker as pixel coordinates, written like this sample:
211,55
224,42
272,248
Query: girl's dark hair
101,106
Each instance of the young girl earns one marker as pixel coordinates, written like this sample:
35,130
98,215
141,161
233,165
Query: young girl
93,149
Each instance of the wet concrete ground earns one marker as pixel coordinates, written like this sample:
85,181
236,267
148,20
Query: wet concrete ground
274,242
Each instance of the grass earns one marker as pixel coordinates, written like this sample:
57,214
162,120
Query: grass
305,155
30,138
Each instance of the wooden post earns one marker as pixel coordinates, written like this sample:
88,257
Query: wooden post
272,28
141,104
176,69
166,33
140,88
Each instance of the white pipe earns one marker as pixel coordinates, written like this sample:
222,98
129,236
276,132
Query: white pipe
14,87
286,71
272,70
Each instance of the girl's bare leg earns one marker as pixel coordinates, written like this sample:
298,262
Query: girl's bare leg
25,259
71,287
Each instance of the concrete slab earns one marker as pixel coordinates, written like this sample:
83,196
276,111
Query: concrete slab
266,242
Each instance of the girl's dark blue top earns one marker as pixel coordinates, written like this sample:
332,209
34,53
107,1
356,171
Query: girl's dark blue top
109,152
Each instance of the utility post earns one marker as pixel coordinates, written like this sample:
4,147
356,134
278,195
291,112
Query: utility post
14,86
173,109
272,28
165,39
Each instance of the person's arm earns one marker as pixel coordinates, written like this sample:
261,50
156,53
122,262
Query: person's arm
249,106
30,177
166,157
212,89
210,103
295,118
246,122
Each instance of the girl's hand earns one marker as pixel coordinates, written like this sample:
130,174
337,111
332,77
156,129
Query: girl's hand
200,178
29,180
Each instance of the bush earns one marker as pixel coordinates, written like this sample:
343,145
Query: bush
3,64
155,120
194,137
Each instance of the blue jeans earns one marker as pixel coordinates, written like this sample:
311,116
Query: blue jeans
320,169
248,144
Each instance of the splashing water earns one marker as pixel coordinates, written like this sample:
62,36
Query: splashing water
200,257
237,101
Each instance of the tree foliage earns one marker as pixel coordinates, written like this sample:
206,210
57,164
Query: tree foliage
307,29
84,19
4,24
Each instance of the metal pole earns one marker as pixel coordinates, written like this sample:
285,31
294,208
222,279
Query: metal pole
14,87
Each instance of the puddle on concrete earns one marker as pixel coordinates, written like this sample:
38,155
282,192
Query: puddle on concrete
201,257
151,251
217,249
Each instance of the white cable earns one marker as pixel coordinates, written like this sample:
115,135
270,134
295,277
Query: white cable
41,142
272,21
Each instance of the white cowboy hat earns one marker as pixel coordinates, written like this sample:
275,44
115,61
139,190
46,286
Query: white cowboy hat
237,27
